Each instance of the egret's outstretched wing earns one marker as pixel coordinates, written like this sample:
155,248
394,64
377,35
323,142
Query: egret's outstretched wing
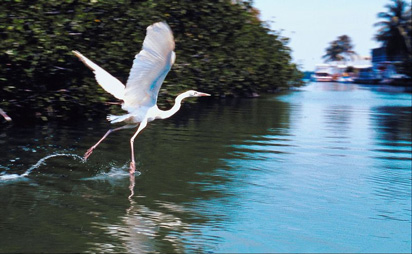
150,67
105,80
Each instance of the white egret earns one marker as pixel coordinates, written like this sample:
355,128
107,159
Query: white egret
139,96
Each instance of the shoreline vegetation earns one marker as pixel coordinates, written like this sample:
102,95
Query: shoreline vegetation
222,48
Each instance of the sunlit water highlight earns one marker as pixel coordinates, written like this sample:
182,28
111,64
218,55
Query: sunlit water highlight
326,168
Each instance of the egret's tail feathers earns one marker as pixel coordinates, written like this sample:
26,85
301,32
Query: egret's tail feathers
117,119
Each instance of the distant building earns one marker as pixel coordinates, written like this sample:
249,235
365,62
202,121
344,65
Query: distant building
384,63
380,55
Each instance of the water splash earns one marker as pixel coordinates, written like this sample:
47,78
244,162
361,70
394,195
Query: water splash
38,164
9,177
114,173
41,161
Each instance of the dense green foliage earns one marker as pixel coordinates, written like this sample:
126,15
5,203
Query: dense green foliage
221,46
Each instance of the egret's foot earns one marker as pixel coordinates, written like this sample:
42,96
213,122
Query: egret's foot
132,167
88,153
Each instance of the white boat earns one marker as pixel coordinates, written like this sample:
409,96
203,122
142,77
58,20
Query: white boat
343,72
323,73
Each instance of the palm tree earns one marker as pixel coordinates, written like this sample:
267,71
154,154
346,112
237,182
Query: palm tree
340,49
396,28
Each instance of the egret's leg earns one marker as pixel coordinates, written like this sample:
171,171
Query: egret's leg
132,163
90,151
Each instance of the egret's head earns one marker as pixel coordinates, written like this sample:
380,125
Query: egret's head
192,93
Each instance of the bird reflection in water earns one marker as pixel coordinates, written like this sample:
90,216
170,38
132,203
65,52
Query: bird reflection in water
131,187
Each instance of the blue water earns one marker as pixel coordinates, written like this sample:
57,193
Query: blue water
326,168
338,179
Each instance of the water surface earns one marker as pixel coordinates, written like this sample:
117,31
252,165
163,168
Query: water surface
326,168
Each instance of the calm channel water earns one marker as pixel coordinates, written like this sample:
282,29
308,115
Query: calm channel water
326,168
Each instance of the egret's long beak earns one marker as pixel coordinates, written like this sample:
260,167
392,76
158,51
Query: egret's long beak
203,94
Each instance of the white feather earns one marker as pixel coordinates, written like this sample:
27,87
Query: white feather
109,83
150,68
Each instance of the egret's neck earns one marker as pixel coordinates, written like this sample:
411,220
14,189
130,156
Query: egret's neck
175,108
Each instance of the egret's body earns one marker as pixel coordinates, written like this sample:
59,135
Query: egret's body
139,95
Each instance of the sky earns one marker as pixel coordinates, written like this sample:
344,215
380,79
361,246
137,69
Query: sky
312,24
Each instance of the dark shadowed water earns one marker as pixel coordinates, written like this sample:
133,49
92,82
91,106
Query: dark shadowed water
323,169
